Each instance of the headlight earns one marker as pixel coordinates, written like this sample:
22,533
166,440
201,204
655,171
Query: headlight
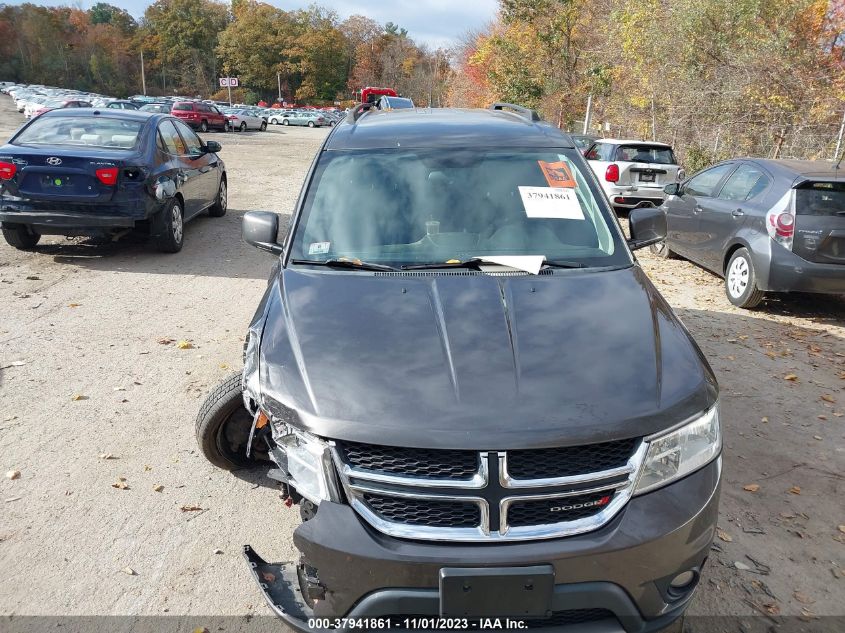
680,452
309,464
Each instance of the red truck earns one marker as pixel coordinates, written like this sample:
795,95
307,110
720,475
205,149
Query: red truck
371,94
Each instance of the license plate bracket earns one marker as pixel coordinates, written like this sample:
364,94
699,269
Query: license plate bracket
498,592
646,176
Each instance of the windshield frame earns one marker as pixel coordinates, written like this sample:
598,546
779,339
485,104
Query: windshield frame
622,253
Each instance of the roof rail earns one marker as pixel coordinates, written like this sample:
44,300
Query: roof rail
358,111
528,113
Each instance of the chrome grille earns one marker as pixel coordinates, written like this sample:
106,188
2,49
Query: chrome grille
448,495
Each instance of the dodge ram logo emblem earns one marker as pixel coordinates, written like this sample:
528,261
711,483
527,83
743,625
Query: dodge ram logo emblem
54,160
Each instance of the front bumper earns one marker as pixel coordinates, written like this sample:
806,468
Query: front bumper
624,567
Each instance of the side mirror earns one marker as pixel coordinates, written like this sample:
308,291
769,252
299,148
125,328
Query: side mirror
647,226
672,190
261,230
213,146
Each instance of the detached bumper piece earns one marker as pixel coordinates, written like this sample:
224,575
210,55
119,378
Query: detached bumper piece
279,583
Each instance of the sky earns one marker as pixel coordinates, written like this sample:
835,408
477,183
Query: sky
432,22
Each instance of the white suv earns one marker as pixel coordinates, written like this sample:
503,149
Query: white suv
633,173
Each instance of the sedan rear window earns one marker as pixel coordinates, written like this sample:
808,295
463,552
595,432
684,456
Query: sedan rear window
820,198
81,131
656,154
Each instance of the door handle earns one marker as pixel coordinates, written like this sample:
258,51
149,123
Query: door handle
697,210
738,213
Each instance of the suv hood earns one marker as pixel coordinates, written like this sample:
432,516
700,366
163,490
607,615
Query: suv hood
477,361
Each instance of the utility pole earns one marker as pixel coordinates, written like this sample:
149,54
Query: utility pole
589,113
653,121
839,138
279,79
143,75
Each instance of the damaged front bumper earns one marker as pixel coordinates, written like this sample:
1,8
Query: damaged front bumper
616,579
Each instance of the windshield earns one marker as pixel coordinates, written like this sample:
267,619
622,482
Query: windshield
80,131
402,207
645,154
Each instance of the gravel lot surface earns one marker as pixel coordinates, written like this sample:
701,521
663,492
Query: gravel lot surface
96,330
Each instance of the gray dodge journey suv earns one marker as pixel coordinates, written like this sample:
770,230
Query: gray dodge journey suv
480,403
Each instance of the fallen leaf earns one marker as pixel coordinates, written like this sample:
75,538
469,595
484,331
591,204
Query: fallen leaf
741,566
158,487
764,420
73,305
802,598
107,456
185,345
828,398
727,538
796,490
33,278
817,437
13,474
772,608
191,509
751,487
129,571
842,528
166,341
120,484
78,396
822,418
791,377
200,630
218,551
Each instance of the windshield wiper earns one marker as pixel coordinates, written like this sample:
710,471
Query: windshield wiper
475,264
559,263
343,262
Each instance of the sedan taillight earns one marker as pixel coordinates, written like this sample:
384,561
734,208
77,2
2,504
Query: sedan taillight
107,175
7,171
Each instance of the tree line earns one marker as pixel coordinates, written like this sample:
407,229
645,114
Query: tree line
186,45
716,78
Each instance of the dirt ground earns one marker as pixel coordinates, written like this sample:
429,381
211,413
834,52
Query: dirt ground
91,368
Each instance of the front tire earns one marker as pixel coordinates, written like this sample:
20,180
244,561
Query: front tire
223,425
662,250
741,281
218,209
310,123
170,227
263,126
21,236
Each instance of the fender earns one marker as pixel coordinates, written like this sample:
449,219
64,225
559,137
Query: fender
759,245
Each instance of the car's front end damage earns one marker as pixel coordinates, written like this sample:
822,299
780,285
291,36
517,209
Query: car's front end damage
427,506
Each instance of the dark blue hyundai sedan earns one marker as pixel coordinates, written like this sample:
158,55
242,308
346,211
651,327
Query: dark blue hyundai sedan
104,172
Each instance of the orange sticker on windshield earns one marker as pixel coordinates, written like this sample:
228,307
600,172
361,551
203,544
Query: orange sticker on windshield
557,174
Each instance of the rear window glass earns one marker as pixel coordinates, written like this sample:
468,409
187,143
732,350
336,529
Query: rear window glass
189,107
81,131
821,198
645,154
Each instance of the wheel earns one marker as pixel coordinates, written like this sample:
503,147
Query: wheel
22,236
223,425
263,126
170,227
243,126
310,123
741,281
274,121
218,209
204,126
285,122
662,251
